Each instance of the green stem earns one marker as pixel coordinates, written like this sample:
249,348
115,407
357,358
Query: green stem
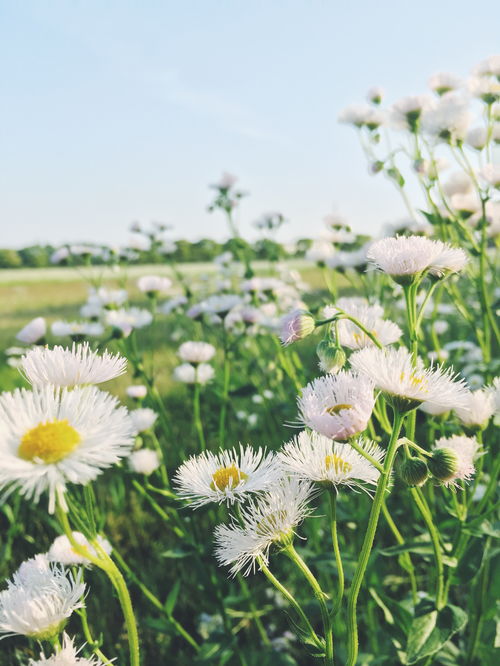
436,545
196,414
292,601
94,645
405,557
352,624
320,596
332,499
225,393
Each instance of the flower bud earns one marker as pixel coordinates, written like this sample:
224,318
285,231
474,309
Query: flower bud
444,464
296,325
414,472
331,357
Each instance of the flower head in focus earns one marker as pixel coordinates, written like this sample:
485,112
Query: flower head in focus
295,326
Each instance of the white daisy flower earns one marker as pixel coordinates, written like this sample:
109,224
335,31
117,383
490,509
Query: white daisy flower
67,655
76,329
371,316
39,600
479,408
136,391
50,437
444,82
61,366
173,304
453,459
143,419
108,298
61,550
268,520
313,457
406,112
337,406
407,386
33,331
229,476
154,284
126,319
403,257
189,374
219,305
196,352
144,461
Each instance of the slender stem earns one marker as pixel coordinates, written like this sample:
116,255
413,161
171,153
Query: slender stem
423,507
343,315
196,414
253,608
94,645
352,624
332,499
120,586
406,557
320,596
291,600
365,454
225,392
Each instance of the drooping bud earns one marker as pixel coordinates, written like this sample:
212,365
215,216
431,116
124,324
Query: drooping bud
296,325
444,464
332,358
414,472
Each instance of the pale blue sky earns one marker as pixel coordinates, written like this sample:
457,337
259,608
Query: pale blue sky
119,110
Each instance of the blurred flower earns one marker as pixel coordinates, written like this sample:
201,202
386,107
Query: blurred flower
33,331
143,419
125,320
190,374
144,461
196,352
136,391
478,409
62,551
152,285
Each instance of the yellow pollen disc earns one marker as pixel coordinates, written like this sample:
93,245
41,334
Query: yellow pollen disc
50,442
227,476
416,382
337,408
340,466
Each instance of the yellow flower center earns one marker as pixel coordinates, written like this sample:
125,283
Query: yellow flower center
340,466
337,408
414,381
227,477
50,442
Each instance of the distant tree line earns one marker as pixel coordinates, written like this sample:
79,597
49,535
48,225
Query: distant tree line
206,249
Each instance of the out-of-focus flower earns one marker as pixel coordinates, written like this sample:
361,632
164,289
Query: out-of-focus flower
33,331
153,285
62,551
136,391
144,461
196,352
143,419
190,374
479,408
125,320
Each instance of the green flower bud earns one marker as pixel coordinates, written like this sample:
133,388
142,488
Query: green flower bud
444,464
331,357
296,326
414,472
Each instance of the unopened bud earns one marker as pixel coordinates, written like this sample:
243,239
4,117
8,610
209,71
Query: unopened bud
444,464
331,357
296,325
414,472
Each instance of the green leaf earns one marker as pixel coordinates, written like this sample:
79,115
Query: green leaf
169,604
432,629
470,563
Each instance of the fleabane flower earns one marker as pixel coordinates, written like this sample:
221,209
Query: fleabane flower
370,316
136,391
33,331
406,384
143,419
479,408
152,285
270,520
229,476
125,320
144,461
62,551
50,437
196,352
67,655
313,457
337,406
64,366
295,326
39,600
406,257
453,459
201,373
